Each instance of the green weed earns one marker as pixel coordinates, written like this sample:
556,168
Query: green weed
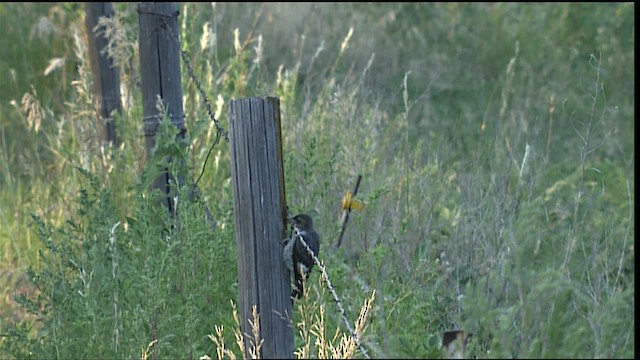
495,143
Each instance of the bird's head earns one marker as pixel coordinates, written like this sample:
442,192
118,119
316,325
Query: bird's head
303,222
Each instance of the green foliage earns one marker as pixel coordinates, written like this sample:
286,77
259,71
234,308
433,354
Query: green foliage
106,287
434,104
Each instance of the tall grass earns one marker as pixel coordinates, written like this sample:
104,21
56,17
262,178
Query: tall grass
494,140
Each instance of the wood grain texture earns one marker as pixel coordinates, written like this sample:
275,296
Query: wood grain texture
106,76
160,76
257,174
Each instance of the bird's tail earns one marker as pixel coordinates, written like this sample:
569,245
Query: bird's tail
298,290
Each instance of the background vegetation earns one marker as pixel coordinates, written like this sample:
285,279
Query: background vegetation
496,146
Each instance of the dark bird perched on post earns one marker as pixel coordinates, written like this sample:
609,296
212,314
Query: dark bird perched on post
296,256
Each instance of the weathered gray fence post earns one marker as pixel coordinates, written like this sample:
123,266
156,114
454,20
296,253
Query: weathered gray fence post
259,206
160,75
106,77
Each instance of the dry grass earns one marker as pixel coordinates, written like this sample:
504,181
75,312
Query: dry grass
497,157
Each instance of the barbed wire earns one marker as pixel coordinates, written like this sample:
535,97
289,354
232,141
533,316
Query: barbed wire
221,132
332,290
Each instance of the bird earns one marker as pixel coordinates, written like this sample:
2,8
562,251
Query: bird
296,257
454,343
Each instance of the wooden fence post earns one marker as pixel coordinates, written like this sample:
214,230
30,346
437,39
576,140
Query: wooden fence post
106,76
160,75
259,206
